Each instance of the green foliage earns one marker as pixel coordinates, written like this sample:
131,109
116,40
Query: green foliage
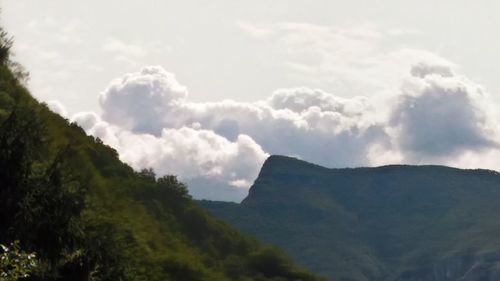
15,263
5,46
88,216
20,144
385,223
6,43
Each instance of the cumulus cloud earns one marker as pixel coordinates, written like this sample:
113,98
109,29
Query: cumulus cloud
441,115
139,101
151,100
303,99
425,69
433,116
57,107
202,158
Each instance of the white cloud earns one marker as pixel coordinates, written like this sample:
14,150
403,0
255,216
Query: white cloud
139,101
202,158
441,115
302,99
193,153
436,116
57,107
421,111
148,101
423,70
241,183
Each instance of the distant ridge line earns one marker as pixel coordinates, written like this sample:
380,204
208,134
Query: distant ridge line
271,160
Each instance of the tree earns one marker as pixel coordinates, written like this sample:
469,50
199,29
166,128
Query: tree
21,143
5,46
172,183
41,196
49,215
17,69
15,263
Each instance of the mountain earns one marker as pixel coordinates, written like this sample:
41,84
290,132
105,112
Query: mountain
405,223
87,216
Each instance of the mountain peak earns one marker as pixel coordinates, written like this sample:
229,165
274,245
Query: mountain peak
288,178
279,167
279,164
284,164
396,222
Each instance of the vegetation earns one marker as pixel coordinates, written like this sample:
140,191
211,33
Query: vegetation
14,263
88,216
388,223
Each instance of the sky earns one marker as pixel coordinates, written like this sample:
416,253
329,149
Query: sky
207,90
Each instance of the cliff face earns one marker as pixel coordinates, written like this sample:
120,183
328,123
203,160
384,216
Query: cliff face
404,223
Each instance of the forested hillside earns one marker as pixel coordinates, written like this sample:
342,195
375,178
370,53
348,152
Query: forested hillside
87,216
404,223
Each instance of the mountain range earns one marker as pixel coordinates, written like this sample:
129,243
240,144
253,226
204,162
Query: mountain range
404,223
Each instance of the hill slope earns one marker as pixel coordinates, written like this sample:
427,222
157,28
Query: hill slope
88,216
386,223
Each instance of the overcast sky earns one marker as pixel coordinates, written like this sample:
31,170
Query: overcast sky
74,48
338,83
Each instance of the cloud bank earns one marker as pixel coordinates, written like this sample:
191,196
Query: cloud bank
434,117
415,109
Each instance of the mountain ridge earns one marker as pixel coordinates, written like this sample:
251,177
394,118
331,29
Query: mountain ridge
273,159
372,223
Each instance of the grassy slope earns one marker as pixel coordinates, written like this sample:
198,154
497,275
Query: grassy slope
370,223
154,233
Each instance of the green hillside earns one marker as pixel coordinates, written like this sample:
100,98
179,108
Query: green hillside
88,216
403,223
